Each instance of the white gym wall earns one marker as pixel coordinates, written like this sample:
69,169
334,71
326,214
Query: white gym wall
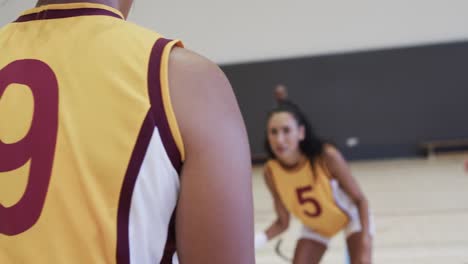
252,30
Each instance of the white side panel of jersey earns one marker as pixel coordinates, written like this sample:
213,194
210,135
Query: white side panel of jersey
342,199
153,202
346,204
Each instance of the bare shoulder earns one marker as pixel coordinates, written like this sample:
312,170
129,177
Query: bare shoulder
188,66
268,177
331,154
266,168
202,96
267,173
334,160
185,55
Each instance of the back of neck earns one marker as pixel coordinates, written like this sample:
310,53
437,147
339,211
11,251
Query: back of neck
111,3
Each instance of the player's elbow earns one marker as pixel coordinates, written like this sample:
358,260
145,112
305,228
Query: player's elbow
361,200
283,224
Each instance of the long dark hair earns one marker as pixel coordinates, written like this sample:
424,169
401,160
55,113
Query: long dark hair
312,146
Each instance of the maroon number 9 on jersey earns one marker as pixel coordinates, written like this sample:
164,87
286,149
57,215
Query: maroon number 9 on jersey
38,146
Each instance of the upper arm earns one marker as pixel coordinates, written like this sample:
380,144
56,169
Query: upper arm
214,218
340,170
281,211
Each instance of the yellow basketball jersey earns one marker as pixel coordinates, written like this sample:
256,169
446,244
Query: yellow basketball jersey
309,196
90,150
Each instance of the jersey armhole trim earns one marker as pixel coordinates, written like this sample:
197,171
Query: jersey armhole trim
166,97
161,106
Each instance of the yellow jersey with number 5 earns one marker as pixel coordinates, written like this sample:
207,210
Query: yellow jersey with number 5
90,150
308,195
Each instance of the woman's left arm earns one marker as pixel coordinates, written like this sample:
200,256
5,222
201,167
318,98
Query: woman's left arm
339,169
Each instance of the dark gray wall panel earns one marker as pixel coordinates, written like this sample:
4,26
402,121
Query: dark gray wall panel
390,99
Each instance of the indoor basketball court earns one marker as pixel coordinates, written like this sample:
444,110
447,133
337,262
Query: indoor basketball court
383,84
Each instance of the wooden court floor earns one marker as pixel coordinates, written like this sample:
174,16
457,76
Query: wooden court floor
420,208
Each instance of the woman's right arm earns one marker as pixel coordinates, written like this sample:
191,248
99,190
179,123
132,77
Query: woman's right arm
282,221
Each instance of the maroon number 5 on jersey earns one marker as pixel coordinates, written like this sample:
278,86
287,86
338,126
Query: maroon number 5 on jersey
38,146
308,200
